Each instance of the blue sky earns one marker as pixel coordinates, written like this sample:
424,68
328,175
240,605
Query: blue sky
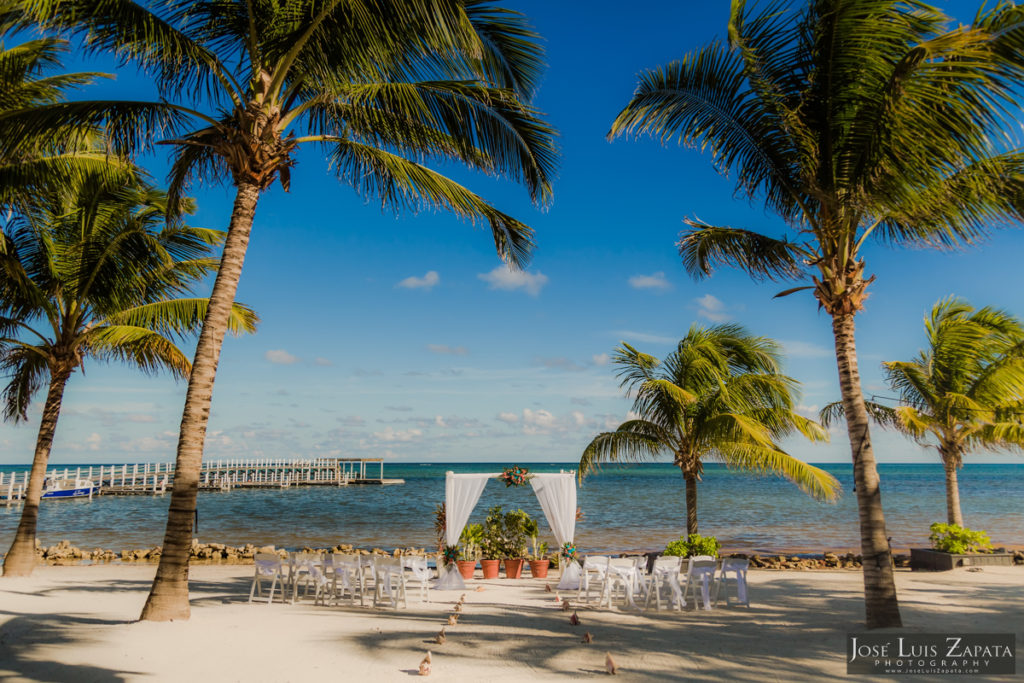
405,338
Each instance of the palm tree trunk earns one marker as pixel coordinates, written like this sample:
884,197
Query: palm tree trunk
691,503
168,598
880,602
21,558
951,463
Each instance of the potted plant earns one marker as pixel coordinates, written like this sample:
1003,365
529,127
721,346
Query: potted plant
538,560
470,542
491,543
516,534
955,546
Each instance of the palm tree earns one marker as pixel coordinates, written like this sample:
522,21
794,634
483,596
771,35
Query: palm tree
965,391
381,86
48,157
718,397
854,120
96,271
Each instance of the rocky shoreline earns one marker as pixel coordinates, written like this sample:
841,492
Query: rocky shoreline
64,553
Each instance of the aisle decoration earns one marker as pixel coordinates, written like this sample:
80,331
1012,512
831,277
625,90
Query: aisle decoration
569,551
514,476
451,554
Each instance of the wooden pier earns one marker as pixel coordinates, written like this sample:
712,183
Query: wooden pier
219,475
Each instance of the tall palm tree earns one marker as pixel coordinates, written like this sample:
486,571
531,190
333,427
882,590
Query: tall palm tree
853,120
720,397
49,156
964,392
93,271
381,86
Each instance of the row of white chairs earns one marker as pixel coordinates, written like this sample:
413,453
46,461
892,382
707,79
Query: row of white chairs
625,578
337,576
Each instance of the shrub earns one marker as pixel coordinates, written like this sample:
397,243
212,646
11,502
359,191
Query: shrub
694,545
506,534
955,539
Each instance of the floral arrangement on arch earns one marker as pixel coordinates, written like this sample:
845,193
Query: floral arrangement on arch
514,476
451,554
569,551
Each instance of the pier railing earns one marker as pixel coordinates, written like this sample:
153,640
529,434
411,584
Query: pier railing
216,475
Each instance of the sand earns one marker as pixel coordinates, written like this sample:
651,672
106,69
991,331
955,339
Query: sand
77,623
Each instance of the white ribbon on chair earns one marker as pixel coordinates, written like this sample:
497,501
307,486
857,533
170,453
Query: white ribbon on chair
462,491
557,495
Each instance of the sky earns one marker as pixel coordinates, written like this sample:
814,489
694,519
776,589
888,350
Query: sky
405,337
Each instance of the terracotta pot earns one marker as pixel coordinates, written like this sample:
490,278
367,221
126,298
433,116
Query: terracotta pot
466,568
490,568
513,568
539,568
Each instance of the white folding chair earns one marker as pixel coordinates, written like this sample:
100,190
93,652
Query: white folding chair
621,578
665,573
390,584
700,574
420,572
347,576
737,566
269,567
594,574
300,567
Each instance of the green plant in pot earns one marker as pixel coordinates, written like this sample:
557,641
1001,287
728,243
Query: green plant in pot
470,544
491,542
957,540
539,563
510,531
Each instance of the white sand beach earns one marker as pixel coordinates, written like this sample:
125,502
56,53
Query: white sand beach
77,623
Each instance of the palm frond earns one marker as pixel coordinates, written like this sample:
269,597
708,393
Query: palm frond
704,247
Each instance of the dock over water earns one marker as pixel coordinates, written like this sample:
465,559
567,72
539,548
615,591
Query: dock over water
216,475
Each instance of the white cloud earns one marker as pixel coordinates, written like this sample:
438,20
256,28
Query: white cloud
322,362
439,421
712,308
578,418
505,278
392,434
801,349
427,282
445,349
93,441
644,337
653,281
281,357
510,418
600,359
558,363
537,421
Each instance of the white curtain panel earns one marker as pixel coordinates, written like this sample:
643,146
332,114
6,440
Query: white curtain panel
461,494
557,495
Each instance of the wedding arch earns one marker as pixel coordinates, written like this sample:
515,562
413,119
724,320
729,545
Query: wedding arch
556,493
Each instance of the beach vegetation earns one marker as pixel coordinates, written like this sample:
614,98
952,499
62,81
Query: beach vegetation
956,540
856,122
507,533
693,545
380,88
94,270
720,396
964,392
471,541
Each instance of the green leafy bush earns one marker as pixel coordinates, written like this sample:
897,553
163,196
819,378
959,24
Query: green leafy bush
471,541
506,534
955,539
694,545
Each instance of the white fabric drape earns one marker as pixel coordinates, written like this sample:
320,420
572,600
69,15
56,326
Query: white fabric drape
556,493
461,493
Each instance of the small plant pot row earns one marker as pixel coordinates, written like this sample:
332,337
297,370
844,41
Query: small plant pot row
513,568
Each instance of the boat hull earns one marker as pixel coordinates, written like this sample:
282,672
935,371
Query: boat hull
69,493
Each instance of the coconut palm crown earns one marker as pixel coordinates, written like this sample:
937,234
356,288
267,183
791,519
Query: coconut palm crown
855,121
963,393
93,271
719,397
381,87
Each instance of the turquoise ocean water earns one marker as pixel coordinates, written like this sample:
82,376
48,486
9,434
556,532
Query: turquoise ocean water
638,507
